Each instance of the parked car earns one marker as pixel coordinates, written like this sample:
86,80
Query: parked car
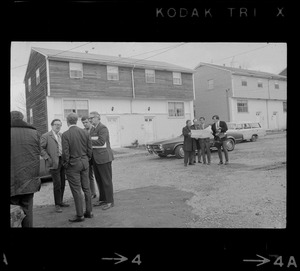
174,146
250,130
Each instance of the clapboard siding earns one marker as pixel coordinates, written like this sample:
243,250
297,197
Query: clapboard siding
163,87
94,83
36,98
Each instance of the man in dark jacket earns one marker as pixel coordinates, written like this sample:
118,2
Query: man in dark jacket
77,151
219,129
24,165
189,144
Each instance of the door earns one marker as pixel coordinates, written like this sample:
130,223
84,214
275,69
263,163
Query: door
149,129
260,119
114,131
274,121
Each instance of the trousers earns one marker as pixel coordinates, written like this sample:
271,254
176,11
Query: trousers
26,203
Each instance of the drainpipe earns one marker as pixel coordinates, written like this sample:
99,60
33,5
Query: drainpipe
133,89
227,99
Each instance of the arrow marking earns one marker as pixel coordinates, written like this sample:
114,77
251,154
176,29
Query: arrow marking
121,259
263,260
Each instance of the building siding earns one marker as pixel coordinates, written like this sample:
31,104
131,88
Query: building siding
214,101
36,98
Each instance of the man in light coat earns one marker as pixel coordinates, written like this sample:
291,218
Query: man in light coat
51,151
24,165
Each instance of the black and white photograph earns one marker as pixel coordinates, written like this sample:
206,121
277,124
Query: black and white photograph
178,135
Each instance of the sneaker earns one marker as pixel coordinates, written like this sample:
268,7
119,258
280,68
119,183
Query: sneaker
58,209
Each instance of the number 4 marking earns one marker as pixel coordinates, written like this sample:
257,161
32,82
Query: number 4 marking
279,261
137,259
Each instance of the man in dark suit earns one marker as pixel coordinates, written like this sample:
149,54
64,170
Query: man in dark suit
189,144
195,126
102,160
51,151
219,129
77,150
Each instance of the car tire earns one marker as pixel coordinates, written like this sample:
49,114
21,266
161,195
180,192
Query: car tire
179,153
253,138
162,155
230,144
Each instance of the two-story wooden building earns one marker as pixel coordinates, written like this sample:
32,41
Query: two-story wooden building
137,99
237,94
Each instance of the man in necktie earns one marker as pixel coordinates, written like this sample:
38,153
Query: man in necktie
51,151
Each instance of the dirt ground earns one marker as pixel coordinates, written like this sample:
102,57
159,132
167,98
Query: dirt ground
156,192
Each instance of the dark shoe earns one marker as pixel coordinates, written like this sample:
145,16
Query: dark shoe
107,206
199,162
220,163
204,163
88,215
194,161
226,162
191,164
64,205
77,219
58,209
94,196
99,203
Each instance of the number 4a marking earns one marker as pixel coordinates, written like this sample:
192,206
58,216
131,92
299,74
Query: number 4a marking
137,259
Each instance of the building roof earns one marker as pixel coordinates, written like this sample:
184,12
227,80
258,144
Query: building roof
109,60
284,72
243,72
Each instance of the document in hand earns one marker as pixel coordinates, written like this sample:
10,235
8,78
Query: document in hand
201,133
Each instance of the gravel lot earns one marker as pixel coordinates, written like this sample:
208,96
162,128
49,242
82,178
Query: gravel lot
150,191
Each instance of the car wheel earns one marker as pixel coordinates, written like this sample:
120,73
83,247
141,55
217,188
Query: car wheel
253,138
162,155
230,144
179,153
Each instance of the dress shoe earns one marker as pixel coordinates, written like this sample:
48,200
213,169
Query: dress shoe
191,164
220,163
199,162
107,206
226,163
88,215
77,219
99,203
64,205
58,209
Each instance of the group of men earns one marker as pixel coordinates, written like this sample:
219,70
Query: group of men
202,144
78,154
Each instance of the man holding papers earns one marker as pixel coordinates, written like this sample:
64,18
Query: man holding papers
205,141
102,160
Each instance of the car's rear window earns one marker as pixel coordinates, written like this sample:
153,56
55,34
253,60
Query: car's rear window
255,125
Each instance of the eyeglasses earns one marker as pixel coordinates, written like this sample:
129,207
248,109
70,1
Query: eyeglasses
56,124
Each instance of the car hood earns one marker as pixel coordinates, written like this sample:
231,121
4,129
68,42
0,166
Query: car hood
167,141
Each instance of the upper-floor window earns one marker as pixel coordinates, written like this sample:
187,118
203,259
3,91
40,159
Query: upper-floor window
112,73
176,109
284,107
29,84
244,82
76,70
80,107
30,116
150,76
177,78
37,76
276,84
210,84
242,106
260,84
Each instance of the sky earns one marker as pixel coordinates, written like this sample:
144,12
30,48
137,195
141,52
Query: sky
267,57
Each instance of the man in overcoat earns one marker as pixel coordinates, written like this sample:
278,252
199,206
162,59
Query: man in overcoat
102,161
189,144
24,166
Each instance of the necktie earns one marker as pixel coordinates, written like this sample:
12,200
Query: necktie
59,145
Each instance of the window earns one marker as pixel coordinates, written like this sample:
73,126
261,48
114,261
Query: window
29,84
242,106
112,73
37,76
75,70
276,85
150,76
255,125
244,82
80,107
259,84
176,78
284,107
30,116
247,126
176,109
210,84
